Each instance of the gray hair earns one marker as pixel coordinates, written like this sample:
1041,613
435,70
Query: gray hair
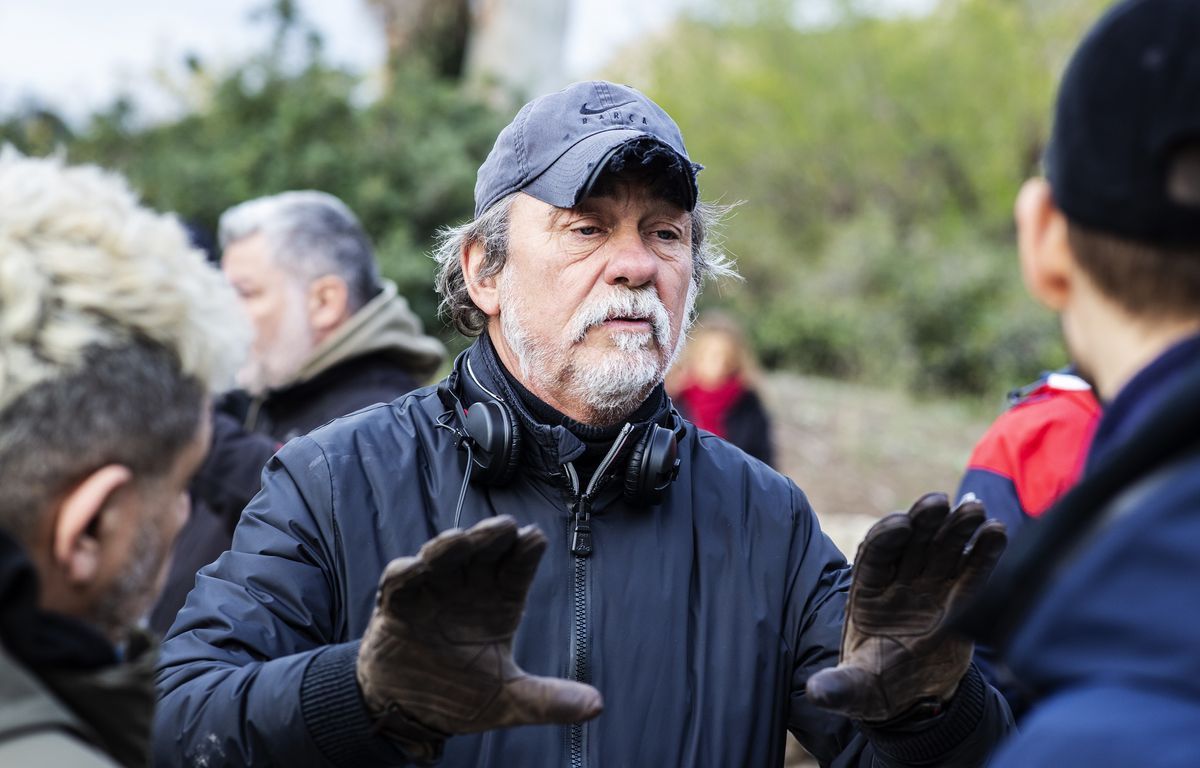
490,229
311,233
129,404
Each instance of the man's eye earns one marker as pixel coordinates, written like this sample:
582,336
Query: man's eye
666,234
588,231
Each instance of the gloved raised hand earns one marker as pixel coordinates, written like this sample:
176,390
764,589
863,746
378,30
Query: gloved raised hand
912,572
436,658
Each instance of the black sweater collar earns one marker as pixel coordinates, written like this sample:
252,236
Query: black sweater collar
42,639
561,438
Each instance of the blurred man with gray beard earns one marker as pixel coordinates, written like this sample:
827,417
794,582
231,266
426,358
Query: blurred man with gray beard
330,336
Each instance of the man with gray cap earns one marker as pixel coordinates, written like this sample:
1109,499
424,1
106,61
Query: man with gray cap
684,582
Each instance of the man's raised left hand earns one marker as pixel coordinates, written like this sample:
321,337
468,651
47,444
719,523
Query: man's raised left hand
913,571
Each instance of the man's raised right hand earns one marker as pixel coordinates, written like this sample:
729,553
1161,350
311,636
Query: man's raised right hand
436,659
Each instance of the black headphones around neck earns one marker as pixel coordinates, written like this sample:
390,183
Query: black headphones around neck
488,430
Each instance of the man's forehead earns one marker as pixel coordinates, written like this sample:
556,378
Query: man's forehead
250,255
600,205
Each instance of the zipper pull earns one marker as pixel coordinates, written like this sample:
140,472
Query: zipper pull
581,534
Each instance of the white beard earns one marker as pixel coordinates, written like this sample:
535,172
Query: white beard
278,365
611,383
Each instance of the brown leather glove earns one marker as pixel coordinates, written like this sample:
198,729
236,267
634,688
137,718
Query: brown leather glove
913,570
436,658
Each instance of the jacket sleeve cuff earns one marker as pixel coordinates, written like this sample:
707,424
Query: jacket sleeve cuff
336,716
929,740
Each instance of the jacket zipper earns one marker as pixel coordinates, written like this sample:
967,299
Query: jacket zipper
581,549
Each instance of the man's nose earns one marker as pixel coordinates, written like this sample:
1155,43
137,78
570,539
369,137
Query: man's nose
631,261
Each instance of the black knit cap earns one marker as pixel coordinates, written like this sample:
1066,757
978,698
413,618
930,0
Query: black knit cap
1128,103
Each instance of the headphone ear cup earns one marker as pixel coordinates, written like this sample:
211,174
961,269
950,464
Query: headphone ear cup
653,465
513,451
497,439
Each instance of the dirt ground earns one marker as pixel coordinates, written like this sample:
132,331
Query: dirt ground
859,453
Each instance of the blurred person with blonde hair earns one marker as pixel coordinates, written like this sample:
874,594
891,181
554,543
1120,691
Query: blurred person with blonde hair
113,332
715,385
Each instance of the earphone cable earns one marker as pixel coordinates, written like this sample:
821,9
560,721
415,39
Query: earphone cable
462,492
465,442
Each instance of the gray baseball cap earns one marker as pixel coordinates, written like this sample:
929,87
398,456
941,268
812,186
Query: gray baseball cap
558,144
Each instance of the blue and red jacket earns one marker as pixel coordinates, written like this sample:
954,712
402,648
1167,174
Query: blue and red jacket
1035,451
1111,645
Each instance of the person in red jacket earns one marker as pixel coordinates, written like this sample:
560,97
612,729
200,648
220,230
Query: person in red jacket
1034,452
714,386
1030,456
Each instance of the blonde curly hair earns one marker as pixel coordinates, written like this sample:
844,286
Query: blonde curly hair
83,265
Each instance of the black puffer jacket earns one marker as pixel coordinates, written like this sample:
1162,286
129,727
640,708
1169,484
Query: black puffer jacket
699,619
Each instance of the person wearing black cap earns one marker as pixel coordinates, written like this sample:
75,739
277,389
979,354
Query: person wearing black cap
1095,605
687,584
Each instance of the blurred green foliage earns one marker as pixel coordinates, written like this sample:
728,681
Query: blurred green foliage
404,160
878,158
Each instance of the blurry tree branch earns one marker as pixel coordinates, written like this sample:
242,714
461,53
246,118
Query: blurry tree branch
436,31
403,158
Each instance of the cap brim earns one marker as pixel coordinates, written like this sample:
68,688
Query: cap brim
569,178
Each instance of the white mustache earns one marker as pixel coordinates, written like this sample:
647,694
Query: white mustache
641,303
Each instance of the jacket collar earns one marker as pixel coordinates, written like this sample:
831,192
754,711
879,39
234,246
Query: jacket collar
68,672
384,326
115,702
1142,397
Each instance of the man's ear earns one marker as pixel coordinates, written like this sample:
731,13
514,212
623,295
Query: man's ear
328,304
76,542
1047,263
483,291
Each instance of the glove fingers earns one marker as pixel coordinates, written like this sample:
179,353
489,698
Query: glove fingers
492,538
979,560
846,689
947,551
880,551
532,700
450,549
516,570
400,581
927,515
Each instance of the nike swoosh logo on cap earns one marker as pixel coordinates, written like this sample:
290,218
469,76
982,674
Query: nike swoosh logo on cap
584,110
